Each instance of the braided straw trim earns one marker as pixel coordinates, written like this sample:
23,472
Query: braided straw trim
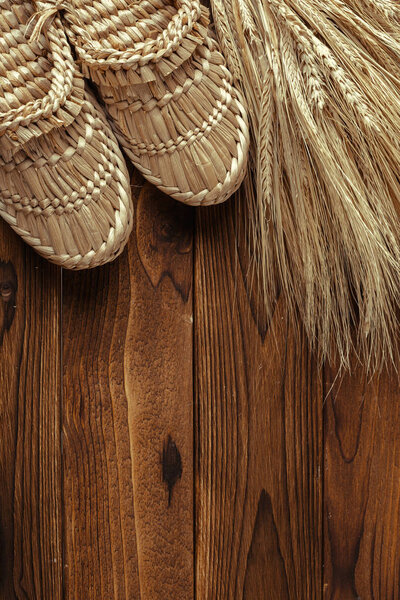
149,105
150,50
191,136
223,132
177,38
59,106
205,197
107,252
83,228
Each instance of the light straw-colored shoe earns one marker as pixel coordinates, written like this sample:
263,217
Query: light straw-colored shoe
167,91
64,187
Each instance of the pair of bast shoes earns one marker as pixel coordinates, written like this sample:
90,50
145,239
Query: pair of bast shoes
162,91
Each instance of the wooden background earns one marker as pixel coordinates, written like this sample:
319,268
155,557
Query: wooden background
160,440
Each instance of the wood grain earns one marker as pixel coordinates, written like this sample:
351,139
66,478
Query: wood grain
99,532
296,471
128,414
259,433
362,486
30,440
158,377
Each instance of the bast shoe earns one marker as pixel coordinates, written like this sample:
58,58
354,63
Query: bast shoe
167,91
64,186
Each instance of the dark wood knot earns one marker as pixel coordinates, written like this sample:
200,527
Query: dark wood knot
6,291
8,294
173,229
171,465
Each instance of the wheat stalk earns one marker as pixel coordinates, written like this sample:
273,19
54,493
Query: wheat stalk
227,41
325,110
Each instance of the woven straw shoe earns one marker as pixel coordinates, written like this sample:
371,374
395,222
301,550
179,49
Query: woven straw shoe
64,186
167,91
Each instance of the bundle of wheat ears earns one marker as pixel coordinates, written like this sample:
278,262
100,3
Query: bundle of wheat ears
322,80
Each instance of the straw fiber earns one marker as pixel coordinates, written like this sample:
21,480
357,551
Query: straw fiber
63,184
322,80
167,91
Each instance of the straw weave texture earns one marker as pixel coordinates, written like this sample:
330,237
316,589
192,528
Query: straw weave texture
64,186
167,91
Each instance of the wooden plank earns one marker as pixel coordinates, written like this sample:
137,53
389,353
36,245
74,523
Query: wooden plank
30,441
259,432
99,536
362,486
128,414
158,369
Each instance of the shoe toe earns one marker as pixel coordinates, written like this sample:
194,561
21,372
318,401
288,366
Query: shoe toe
187,133
68,195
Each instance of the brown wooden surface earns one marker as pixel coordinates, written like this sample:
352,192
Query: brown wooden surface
197,450
128,414
259,434
30,444
362,487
